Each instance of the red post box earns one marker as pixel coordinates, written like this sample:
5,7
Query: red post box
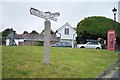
111,40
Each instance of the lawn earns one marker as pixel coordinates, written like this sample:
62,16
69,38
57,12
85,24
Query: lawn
27,62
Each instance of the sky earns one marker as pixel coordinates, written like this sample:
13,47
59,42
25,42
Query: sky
16,14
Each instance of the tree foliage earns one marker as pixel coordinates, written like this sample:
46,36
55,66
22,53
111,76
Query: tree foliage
5,34
97,26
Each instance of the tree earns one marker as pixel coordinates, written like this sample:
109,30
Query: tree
5,33
34,32
95,27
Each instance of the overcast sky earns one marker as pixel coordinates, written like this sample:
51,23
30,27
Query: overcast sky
16,15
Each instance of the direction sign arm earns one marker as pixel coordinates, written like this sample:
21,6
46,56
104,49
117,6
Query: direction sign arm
44,15
33,9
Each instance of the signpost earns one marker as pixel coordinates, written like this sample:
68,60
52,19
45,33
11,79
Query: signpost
47,16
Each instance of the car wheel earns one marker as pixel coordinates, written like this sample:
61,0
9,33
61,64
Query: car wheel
82,47
97,48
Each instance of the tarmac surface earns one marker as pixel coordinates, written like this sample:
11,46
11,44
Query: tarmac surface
117,74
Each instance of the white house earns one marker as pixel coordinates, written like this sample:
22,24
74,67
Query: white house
18,39
67,33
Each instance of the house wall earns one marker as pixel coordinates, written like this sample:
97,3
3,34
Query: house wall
18,40
66,40
33,43
29,43
64,36
7,42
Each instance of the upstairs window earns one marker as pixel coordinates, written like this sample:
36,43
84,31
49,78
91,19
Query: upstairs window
66,31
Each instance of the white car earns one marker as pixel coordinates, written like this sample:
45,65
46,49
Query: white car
95,45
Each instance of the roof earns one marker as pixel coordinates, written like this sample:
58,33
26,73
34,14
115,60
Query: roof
38,37
51,32
75,28
33,37
66,24
53,37
17,36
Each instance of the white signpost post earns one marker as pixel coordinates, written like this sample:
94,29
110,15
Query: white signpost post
47,16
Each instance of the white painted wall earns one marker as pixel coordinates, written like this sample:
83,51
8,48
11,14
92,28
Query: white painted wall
7,42
16,41
64,36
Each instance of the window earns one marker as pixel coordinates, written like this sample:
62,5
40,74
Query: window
92,43
66,31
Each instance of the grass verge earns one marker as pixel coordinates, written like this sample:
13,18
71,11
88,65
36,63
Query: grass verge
27,62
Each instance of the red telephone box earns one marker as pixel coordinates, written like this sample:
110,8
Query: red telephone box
111,40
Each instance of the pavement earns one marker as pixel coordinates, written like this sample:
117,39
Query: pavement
117,74
113,73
